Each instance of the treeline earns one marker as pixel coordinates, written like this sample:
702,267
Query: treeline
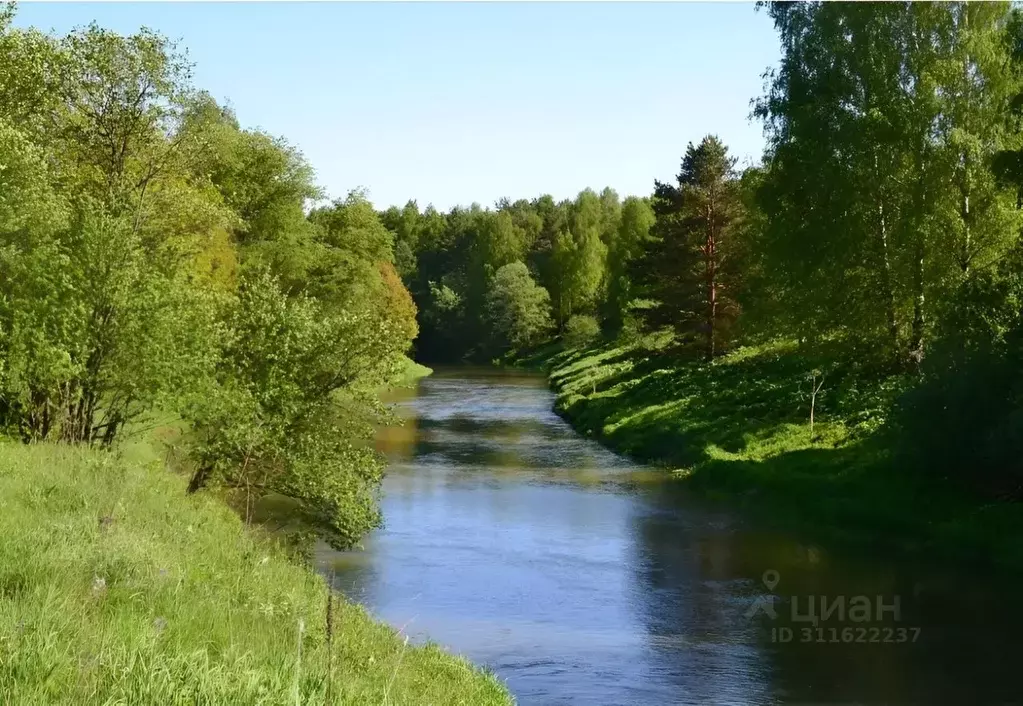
156,258
881,229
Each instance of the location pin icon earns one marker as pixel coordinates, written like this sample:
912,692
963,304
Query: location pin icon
770,579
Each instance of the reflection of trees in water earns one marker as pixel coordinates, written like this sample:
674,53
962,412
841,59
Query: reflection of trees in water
693,572
698,643
354,574
697,578
515,445
960,656
398,442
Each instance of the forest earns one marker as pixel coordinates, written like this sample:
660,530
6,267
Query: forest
880,233
158,259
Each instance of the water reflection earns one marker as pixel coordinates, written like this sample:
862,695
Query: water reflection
582,580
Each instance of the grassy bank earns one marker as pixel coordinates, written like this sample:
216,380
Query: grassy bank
116,587
412,372
739,429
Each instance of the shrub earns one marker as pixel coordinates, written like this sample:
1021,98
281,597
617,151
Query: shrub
580,330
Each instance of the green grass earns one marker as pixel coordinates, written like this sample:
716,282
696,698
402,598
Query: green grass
117,588
738,430
412,372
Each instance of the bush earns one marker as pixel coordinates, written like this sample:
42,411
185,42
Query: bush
964,420
292,408
580,330
518,309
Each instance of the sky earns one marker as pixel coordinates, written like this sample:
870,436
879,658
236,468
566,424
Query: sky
454,103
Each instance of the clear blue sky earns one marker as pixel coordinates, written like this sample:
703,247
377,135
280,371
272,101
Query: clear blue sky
461,102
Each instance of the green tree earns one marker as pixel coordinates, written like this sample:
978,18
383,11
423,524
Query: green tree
405,224
518,309
686,268
578,259
580,330
637,218
273,421
121,328
872,112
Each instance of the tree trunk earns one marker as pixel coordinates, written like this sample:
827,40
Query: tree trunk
964,214
886,280
965,185
916,344
712,285
199,478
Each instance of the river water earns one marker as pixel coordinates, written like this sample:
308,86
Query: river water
583,578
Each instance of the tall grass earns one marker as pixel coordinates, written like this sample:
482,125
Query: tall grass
117,588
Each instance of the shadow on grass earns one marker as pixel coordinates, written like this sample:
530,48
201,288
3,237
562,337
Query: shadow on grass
660,406
739,427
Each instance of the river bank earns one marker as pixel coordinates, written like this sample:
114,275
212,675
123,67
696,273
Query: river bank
410,373
738,429
116,586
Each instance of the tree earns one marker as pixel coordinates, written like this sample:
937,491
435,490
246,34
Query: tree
871,113
554,219
637,218
527,221
31,65
346,250
124,101
517,307
578,259
272,423
580,330
405,225
154,256
685,269
102,323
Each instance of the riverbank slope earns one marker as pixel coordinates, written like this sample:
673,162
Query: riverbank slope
410,373
117,587
738,429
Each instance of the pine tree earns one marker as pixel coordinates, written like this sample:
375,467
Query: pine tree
684,268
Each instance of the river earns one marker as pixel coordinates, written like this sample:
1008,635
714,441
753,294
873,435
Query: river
583,578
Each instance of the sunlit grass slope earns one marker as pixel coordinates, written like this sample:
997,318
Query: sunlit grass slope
738,429
411,372
117,588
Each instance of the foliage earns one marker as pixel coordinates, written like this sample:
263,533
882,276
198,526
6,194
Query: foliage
580,330
271,421
155,256
637,218
879,199
963,421
96,335
687,267
517,307
578,259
